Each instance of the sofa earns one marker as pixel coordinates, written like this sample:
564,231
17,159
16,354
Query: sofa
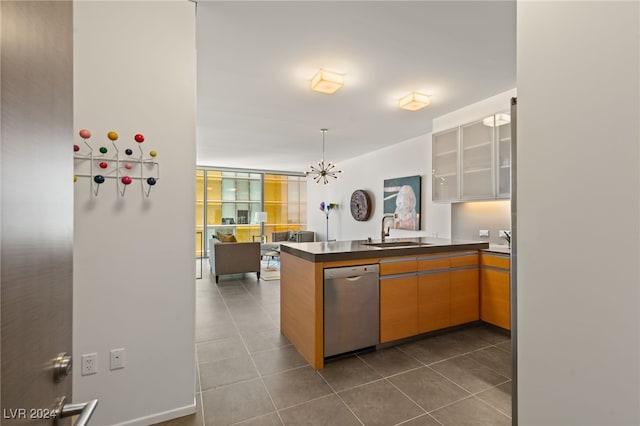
233,257
293,236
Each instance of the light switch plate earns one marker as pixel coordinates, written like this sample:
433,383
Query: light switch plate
484,233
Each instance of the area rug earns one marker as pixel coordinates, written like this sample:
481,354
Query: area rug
270,274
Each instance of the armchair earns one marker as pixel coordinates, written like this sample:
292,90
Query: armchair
233,258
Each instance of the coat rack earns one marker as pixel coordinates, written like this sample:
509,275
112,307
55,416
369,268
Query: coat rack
124,170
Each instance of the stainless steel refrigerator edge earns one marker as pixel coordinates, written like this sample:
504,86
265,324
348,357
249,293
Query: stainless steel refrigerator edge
514,263
351,308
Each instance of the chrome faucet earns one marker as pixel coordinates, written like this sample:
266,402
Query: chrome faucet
384,217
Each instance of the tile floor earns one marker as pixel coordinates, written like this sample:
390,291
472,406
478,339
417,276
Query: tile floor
249,374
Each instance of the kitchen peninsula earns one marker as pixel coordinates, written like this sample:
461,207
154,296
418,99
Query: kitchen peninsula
426,284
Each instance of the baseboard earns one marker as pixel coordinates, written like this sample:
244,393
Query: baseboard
161,417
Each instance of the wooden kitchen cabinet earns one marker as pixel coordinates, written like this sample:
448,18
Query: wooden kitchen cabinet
398,307
495,288
448,290
434,301
465,296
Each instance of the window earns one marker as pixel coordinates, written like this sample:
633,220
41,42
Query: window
227,200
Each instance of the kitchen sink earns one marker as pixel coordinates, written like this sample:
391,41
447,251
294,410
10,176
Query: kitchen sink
396,244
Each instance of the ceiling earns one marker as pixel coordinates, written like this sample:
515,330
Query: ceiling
256,60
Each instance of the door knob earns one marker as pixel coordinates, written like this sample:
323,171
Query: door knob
61,366
83,409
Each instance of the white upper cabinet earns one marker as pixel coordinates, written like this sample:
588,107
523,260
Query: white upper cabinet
446,185
473,161
476,161
503,167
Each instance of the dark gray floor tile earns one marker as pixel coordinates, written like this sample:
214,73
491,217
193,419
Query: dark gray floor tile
296,386
498,397
256,323
261,340
424,420
234,293
379,403
236,402
494,358
389,361
277,360
215,331
226,371
273,310
241,302
210,303
470,412
215,350
428,388
270,419
504,346
468,373
438,348
213,317
489,334
265,290
254,314
326,411
345,373
229,280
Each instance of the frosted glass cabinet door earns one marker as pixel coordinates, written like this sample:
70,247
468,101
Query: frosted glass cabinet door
477,161
445,183
503,166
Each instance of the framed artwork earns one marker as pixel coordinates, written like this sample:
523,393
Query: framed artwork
402,196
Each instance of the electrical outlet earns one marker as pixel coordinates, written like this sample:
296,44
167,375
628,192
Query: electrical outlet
484,233
89,364
502,233
116,360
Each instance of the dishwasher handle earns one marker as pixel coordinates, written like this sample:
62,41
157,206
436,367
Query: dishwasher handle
351,272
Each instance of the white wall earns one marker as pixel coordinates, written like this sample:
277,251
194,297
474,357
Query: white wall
411,157
578,213
134,264
467,219
368,172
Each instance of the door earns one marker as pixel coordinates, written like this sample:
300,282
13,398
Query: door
398,307
37,208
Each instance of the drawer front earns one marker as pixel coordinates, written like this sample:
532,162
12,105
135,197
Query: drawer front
503,262
426,264
398,265
468,259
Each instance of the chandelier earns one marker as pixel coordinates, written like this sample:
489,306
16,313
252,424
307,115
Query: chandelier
322,172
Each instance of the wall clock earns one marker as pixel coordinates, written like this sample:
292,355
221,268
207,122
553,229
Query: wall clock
360,205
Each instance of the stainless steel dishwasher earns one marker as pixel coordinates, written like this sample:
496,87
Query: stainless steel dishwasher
351,308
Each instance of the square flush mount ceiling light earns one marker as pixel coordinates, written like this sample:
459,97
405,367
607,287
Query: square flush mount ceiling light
500,120
414,101
327,81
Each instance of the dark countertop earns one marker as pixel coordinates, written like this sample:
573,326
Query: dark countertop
498,249
358,249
